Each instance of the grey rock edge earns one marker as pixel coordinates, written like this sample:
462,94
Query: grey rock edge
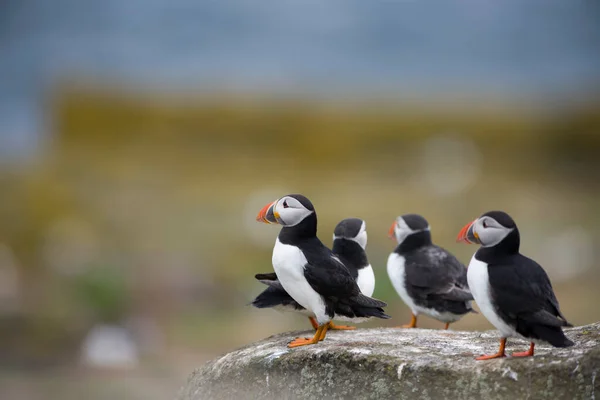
398,363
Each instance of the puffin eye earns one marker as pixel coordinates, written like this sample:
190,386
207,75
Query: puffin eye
285,204
485,225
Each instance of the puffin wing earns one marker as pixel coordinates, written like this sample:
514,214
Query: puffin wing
545,318
523,293
330,278
435,272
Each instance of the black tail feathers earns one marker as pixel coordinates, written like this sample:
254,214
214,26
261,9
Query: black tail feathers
269,276
271,297
365,307
553,335
366,301
371,312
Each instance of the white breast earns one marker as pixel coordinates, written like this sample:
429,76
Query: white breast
366,280
395,270
289,263
479,283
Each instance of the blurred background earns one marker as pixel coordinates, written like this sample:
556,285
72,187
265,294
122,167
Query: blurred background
139,139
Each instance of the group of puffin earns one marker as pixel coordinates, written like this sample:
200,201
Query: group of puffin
512,291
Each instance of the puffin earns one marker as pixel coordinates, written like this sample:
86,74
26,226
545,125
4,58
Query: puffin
428,278
310,272
512,291
349,243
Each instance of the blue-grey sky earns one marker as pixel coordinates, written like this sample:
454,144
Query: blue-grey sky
400,48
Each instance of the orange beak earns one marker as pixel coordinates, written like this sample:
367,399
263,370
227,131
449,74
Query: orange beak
467,235
267,215
391,232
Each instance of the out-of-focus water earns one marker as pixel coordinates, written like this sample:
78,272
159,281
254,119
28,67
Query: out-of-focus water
398,47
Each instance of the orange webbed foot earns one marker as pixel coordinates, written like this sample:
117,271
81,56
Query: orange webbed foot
490,357
335,327
319,335
499,354
528,353
302,342
522,354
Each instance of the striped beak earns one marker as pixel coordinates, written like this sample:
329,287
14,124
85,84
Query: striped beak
267,215
467,235
392,231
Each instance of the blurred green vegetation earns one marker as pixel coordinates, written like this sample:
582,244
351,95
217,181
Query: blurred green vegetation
143,206
103,290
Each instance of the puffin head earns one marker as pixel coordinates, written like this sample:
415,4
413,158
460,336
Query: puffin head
488,230
287,211
352,229
406,225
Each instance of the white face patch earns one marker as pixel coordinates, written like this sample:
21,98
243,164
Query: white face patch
402,230
360,238
490,231
291,212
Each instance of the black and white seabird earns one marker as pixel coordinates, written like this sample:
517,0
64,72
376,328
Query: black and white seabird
428,279
309,271
512,291
349,243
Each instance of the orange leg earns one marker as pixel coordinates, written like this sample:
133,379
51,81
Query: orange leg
319,334
324,332
313,322
447,325
335,327
528,353
413,322
499,354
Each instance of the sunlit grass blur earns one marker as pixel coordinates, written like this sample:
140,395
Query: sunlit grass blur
139,213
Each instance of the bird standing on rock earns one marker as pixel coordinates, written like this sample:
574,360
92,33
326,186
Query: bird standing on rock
512,291
428,279
349,243
309,271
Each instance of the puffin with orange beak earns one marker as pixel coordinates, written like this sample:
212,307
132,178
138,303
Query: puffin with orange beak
349,243
311,273
429,279
512,291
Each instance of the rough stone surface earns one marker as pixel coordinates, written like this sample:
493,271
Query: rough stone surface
400,363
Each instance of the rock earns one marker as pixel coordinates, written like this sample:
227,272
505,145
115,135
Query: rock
400,363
